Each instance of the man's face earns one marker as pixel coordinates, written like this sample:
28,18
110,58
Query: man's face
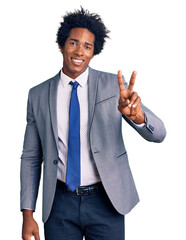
77,52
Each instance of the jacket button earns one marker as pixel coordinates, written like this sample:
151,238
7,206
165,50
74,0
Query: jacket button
55,162
151,127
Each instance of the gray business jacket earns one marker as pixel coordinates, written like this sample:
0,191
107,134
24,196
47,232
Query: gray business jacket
106,142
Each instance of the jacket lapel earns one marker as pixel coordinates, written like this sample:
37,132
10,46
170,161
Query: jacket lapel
92,91
53,104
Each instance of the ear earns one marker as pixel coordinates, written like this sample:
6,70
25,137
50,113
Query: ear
61,49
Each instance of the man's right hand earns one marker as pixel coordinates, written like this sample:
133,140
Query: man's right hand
30,227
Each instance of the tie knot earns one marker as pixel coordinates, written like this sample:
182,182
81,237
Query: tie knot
74,84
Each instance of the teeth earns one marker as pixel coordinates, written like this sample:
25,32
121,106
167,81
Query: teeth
78,61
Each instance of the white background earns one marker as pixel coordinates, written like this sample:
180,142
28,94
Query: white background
146,36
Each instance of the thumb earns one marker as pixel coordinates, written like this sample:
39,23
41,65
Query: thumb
123,103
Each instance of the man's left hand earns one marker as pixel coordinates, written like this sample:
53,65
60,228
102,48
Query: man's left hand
129,101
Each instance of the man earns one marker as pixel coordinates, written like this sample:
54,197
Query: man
74,129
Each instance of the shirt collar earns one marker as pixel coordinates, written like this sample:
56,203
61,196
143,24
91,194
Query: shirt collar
81,79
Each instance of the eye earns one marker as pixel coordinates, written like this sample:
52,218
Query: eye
73,43
87,47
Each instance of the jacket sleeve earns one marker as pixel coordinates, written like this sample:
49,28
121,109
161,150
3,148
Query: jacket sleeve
31,160
153,130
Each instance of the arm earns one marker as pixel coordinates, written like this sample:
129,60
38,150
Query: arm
153,129
31,161
30,227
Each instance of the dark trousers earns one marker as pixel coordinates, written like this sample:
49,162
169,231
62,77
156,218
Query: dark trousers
74,216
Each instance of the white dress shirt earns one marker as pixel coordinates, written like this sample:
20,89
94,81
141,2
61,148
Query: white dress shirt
89,173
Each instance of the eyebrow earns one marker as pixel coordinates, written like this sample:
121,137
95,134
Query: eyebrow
75,40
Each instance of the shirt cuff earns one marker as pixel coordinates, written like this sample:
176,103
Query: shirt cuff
141,125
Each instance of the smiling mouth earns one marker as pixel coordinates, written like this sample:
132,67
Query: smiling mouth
77,61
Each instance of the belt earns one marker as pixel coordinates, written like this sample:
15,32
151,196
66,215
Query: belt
83,190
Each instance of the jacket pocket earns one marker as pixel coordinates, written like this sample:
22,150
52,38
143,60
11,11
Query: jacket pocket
106,100
121,155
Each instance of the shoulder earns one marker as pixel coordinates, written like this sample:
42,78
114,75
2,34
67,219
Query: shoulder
107,83
44,86
105,79
102,74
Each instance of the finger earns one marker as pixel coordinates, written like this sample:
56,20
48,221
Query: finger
137,102
132,81
120,81
133,98
136,106
125,111
26,237
36,235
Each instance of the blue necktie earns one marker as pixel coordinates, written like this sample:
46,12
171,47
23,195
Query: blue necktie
73,157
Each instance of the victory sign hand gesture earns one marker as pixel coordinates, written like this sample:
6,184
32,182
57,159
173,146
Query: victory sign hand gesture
129,101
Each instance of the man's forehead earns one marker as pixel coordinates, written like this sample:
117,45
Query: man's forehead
81,33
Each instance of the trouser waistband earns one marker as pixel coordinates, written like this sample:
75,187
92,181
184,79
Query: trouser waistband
82,190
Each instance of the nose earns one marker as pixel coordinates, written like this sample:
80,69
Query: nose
79,50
